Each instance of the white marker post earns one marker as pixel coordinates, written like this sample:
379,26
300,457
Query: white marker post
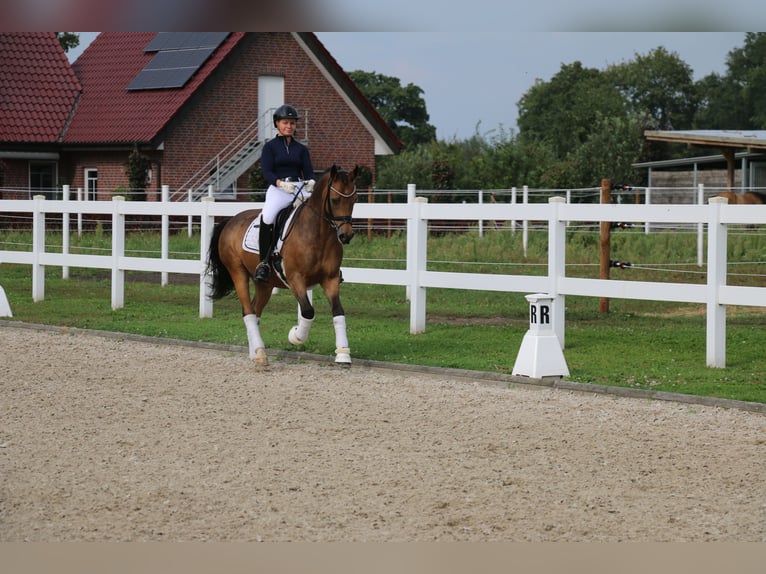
5,307
540,355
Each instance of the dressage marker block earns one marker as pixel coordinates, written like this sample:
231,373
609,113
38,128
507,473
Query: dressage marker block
5,307
540,355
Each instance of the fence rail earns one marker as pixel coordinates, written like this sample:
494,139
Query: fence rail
716,216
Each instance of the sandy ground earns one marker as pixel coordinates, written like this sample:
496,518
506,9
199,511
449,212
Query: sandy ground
103,439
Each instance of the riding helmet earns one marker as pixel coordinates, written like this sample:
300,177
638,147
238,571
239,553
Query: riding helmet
285,111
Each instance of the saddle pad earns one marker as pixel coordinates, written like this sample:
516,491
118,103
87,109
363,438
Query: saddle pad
250,240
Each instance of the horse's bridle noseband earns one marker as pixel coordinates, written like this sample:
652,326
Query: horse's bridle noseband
329,215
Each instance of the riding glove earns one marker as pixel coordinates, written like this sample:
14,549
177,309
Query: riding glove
309,186
287,186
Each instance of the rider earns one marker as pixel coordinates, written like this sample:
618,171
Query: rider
285,162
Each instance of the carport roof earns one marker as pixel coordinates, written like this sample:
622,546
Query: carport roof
749,139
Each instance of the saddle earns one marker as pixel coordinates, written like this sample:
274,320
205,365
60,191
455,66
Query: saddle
250,239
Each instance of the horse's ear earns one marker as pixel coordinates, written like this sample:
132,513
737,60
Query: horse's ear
333,170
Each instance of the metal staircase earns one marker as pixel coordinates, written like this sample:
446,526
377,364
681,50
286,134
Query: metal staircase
223,170
231,162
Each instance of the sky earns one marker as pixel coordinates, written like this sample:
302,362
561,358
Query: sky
472,82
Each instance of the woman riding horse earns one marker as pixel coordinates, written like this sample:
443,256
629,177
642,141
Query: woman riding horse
285,162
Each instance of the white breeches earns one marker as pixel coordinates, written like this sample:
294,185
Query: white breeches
276,200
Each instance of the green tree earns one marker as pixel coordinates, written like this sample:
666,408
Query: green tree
721,104
737,100
138,174
402,107
658,87
562,113
68,40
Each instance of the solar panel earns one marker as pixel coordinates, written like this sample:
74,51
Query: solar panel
180,40
179,55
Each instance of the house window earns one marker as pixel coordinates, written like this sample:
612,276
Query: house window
91,184
42,179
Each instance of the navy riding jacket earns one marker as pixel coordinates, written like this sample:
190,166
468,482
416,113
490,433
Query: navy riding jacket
280,161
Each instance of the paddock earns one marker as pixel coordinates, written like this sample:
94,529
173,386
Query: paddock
112,439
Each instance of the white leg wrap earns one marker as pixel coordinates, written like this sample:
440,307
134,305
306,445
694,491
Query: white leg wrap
254,340
300,333
342,352
339,322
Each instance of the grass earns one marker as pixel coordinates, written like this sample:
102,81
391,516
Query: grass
638,344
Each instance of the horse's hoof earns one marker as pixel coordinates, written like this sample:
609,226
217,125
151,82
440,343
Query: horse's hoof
261,359
342,356
292,336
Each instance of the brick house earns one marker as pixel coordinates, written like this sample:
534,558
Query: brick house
197,105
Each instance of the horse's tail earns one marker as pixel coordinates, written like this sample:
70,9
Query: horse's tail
222,281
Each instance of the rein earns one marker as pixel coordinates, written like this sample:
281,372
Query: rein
327,213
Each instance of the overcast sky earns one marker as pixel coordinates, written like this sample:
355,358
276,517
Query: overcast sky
472,82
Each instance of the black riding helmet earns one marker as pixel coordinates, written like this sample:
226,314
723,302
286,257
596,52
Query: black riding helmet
285,111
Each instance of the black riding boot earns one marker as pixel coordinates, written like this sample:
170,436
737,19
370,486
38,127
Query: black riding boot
265,245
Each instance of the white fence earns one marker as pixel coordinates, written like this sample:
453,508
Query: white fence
417,212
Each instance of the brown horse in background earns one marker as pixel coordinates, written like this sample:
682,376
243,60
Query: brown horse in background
312,251
746,198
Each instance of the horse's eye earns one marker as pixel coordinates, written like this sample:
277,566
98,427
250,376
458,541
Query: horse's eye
335,202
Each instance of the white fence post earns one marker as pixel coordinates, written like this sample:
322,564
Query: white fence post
525,223
410,257
206,224
716,277
38,248
118,252
700,227
65,232
513,202
481,221
79,213
165,232
647,201
189,219
556,265
417,241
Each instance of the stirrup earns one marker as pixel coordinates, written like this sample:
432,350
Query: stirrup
262,271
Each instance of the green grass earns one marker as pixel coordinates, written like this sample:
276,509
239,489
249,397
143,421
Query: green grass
639,344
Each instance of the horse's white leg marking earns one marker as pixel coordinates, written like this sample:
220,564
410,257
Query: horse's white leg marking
256,346
342,352
299,333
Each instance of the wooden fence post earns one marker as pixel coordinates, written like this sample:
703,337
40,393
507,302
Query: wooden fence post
606,240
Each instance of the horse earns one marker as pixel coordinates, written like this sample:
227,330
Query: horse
311,254
746,198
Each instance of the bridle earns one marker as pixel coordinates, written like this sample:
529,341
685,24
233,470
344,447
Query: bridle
328,215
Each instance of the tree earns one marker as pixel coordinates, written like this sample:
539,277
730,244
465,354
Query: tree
138,174
68,40
562,113
737,100
402,108
659,87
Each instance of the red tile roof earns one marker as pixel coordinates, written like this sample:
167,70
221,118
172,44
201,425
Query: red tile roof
38,88
107,112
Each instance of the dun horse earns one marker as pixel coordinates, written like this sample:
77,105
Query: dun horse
746,198
311,252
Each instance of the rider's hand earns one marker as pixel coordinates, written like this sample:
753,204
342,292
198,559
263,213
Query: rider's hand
309,187
287,186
